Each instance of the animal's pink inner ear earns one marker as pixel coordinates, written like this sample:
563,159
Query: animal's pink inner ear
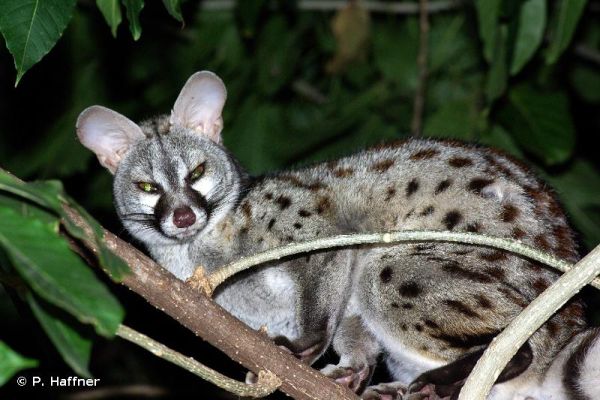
200,104
107,133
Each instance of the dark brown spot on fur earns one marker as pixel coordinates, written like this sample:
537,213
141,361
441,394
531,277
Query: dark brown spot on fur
271,223
427,211
451,219
540,284
283,201
407,306
461,307
518,233
412,187
516,299
403,327
295,181
424,154
389,193
297,225
552,328
496,272
395,305
430,324
386,274
410,289
442,186
324,204
477,184
303,213
459,162
541,242
454,269
419,327
493,256
483,301
269,196
382,166
466,341
473,227
509,213
343,172
247,209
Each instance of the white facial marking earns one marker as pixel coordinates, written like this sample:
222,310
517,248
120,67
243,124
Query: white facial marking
204,186
149,199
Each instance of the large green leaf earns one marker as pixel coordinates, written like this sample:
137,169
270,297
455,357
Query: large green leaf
111,10
50,195
498,75
278,52
569,12
455,120
579,190
488,14
540,122
530,32
44,260
74,348
133,9
396,59
12,362
174,8
32,27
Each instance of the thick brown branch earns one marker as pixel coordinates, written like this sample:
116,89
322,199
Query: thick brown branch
212,323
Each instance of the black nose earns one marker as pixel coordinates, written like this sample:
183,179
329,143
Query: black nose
183,217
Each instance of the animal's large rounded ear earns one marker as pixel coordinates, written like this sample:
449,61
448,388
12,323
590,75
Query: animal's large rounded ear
107,133
199,105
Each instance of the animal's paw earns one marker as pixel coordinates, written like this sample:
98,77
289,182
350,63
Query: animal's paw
353,378
385,391
419,390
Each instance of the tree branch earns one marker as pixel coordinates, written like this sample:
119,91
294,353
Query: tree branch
513,246
267,382
208,320
505,345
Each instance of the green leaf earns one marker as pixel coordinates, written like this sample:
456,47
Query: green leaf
569,12
32,27
25,208
579,190
488,14
12,362
530,32
586,81
279,53
396,58
540,122
45,261
174,8
133,9
498,75
111,10
74,348
50,195
455,120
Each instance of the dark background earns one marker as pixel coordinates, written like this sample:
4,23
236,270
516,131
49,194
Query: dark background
297,93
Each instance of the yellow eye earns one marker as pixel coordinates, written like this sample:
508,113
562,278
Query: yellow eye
147,187
197,172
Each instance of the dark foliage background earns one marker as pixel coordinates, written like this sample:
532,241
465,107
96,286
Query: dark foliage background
304,86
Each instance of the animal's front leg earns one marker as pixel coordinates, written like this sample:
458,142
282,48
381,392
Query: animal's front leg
358,351
447,381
